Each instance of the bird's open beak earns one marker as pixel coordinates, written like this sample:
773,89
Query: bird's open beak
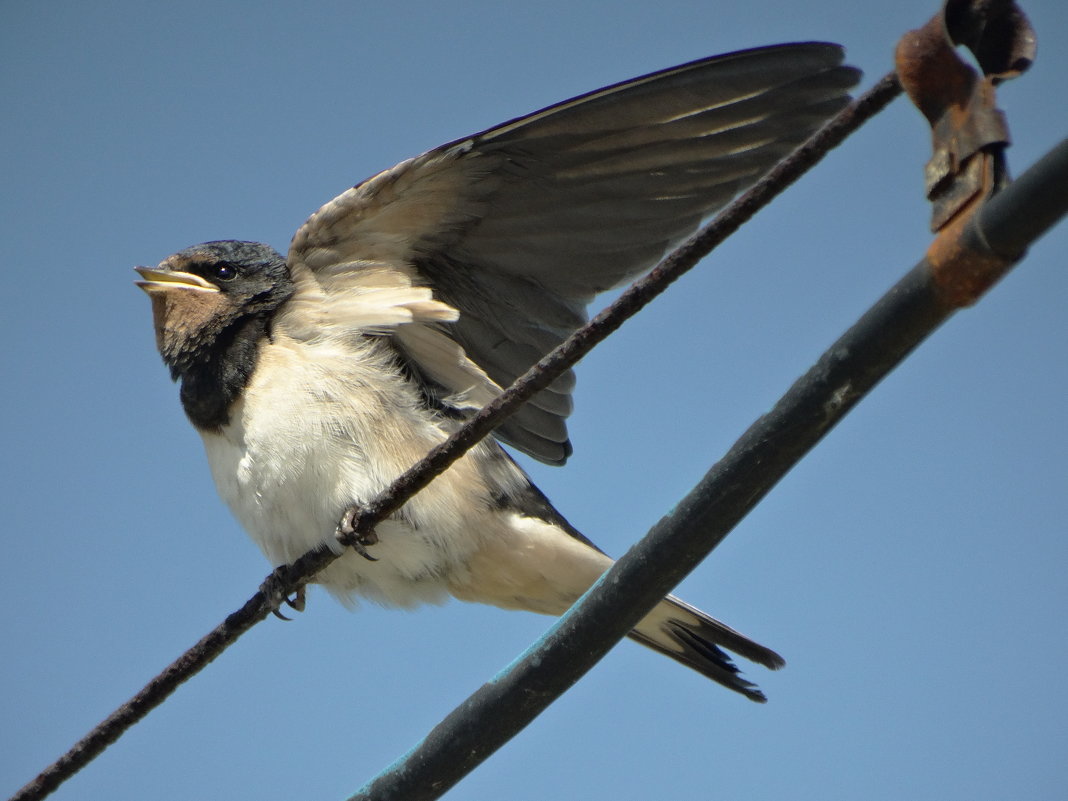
157,280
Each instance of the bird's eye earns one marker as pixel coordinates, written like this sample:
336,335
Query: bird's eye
223,271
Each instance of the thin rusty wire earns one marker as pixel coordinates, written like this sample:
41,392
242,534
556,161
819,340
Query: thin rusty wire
288,578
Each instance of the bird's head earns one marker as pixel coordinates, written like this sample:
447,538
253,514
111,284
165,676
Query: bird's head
202,292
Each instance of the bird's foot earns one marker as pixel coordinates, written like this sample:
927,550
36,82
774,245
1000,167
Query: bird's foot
348,535
274,589
296,603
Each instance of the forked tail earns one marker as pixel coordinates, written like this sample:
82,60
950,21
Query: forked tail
688,635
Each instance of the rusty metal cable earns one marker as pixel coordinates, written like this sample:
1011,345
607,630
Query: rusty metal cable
289,578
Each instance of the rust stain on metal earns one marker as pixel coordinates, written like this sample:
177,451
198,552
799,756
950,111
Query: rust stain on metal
962,270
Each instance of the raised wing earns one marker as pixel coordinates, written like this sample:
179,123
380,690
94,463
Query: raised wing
518,227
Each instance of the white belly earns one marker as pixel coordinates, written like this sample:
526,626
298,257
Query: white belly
309,440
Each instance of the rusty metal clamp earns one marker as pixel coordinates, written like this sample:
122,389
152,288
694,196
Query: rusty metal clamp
969,132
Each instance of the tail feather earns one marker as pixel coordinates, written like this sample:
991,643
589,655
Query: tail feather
689,636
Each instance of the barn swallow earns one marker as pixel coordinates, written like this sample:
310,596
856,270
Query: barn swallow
406,303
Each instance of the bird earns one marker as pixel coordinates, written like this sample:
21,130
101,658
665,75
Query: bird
408,302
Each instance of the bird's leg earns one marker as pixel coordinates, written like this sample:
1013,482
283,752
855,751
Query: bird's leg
274,590
348,535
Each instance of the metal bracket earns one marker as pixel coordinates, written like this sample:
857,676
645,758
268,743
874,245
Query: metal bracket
969,132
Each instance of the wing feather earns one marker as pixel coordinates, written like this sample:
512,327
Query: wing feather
480,256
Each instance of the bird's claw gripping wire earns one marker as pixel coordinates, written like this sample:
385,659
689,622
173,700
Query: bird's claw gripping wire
348,534
275,590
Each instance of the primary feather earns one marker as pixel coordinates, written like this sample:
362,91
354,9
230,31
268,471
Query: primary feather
518,227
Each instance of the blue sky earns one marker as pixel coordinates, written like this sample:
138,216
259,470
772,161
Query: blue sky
911,569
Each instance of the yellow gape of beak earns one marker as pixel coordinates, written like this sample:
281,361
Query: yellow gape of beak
165,280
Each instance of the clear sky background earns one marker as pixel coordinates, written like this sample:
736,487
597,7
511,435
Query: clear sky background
911,570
